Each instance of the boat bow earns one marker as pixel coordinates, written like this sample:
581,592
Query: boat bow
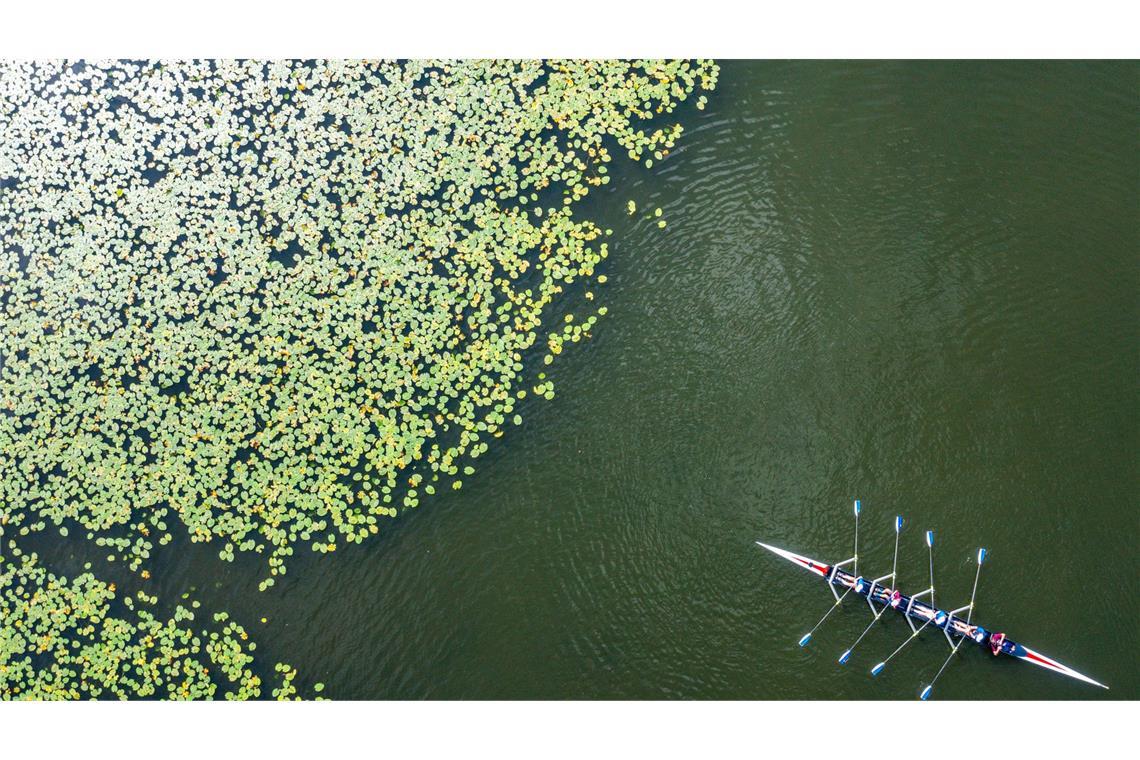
1023,652
819,568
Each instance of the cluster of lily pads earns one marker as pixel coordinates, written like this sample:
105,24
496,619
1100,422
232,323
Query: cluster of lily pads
272,303
61,640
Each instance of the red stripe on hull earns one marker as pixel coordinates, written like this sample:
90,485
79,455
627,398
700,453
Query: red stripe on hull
815,567
1043,660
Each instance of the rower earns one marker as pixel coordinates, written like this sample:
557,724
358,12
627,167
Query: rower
896,598
996,641
925,611
978,634
954,647
880,588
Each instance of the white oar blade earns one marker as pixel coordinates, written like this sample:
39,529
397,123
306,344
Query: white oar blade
1050,664
806,563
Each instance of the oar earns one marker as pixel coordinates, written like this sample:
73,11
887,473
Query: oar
838,599
926,692
843,658
914,631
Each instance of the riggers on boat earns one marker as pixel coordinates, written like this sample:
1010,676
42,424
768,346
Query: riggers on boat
918,612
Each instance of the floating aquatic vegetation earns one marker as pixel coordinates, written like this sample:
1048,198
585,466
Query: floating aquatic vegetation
61,640
272,303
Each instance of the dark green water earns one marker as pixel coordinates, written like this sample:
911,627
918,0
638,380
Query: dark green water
915,284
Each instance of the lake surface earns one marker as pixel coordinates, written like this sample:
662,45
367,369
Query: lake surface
913,284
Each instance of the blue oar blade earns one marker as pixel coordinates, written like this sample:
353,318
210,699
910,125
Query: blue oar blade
843,658
930,538
925,693
804,641
878,668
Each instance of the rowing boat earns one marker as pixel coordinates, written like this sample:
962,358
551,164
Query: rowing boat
918,613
